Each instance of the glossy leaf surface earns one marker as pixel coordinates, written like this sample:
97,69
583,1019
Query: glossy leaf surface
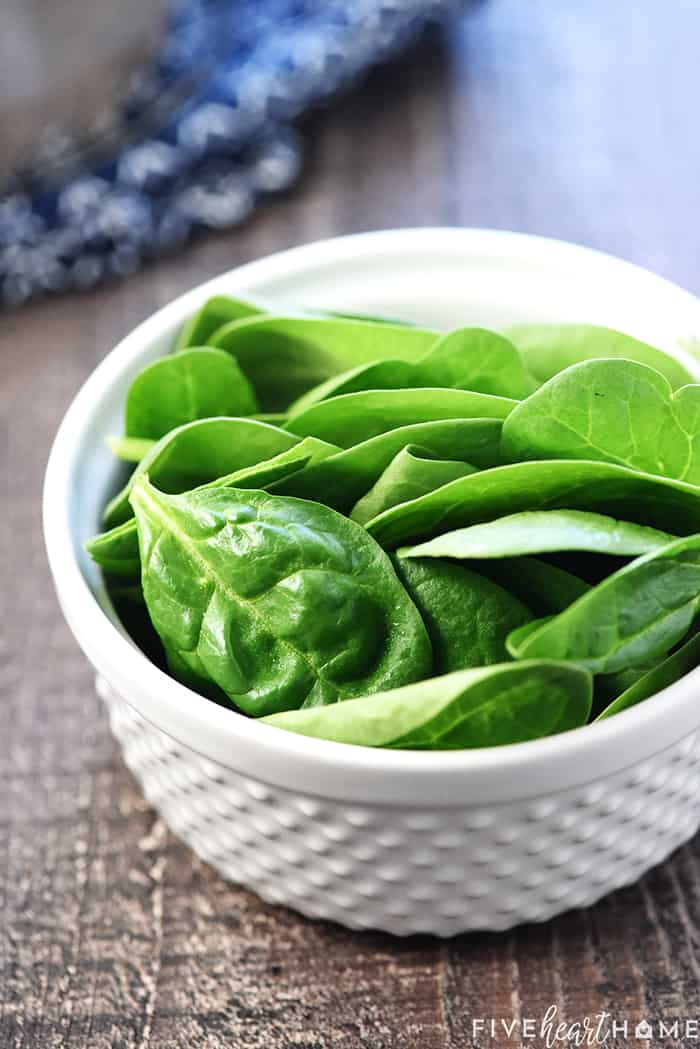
476,359
635,615
410,474
355,417
284,357
199,452
117,550
280,603
343,478
491,706
540,532
666,673
195,384
549,348
659,502
217,311
466,615
617,411
379,375
465,359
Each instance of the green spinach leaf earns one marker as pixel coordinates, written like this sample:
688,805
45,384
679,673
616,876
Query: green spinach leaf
343,478
671,669
194,384
487,707
636,614
558,484
466,615
411,473
355,417
608,687
279,602
225,309
198,452
117,550
466,359
284,357
549,348
541,532
217,311
519,636
617,411
475,359
379,375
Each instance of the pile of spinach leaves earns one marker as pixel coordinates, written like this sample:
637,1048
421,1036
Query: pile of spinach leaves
374,533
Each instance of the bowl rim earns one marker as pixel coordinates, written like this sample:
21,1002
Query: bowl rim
490,774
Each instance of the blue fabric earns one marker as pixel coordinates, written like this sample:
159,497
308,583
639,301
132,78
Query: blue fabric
210,127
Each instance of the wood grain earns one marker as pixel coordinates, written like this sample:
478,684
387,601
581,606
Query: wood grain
568,119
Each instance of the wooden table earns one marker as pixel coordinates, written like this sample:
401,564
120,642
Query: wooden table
552,116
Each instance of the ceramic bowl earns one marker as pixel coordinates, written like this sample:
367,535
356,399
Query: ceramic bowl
397,840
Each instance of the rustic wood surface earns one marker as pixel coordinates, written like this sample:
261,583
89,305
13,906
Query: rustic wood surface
552,116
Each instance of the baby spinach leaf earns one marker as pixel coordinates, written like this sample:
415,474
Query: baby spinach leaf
194,384
671,669
130,449
475,359
618,411
217,311
379,375
343,478
117,550
355,417
467,616
411,473
466,359
226,309
519,636
634,615
199,452
549,348
558,484
284,357
279,602
270,471
542,587
540,532
485,707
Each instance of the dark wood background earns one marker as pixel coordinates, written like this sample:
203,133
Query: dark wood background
578,120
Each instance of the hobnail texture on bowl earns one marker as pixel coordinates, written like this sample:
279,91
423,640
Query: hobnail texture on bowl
402,841
439,870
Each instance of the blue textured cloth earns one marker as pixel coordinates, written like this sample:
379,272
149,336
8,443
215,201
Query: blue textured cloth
210,129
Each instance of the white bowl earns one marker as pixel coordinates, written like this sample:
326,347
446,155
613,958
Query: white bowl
403,841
